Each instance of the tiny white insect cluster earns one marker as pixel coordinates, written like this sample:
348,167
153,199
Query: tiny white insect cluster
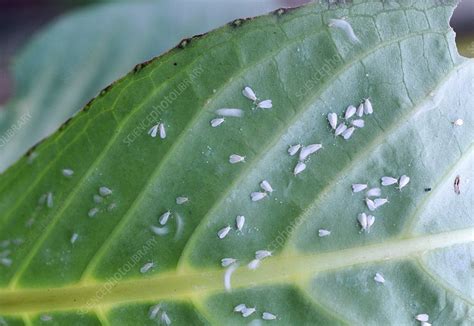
259,256
170,214
239,223
5,260
402,181
231,263
249,93
366,220
247,311
101,199
352,119
155,310
158,128
47,200
244,310
304,154
6,247
259,195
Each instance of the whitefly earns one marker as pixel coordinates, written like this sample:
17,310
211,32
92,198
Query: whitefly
265,104
340,129
323,233
164,217
67,173
262,254
357,187
145,268
217,122
368,109
105,191
239,222
265,185
268,316
222,233
153,132
370,204
378,202
350,111
388,181
358,123
258,195
332,119
235,158
181,200
239,307
374,192
379,278
249,93
300,167
346,134
162,129
247,311
403,181
306,151
294,149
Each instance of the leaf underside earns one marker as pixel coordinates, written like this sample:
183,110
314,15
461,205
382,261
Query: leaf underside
421,241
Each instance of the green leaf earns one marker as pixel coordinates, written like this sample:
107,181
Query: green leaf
67,64
421,241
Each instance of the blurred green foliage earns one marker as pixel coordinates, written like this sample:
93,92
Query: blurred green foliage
72,59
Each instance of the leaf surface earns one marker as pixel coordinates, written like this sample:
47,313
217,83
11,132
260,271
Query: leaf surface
421,241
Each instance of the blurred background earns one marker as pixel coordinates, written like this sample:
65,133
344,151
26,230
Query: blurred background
55,55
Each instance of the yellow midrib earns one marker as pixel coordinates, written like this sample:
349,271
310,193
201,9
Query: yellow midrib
190,283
